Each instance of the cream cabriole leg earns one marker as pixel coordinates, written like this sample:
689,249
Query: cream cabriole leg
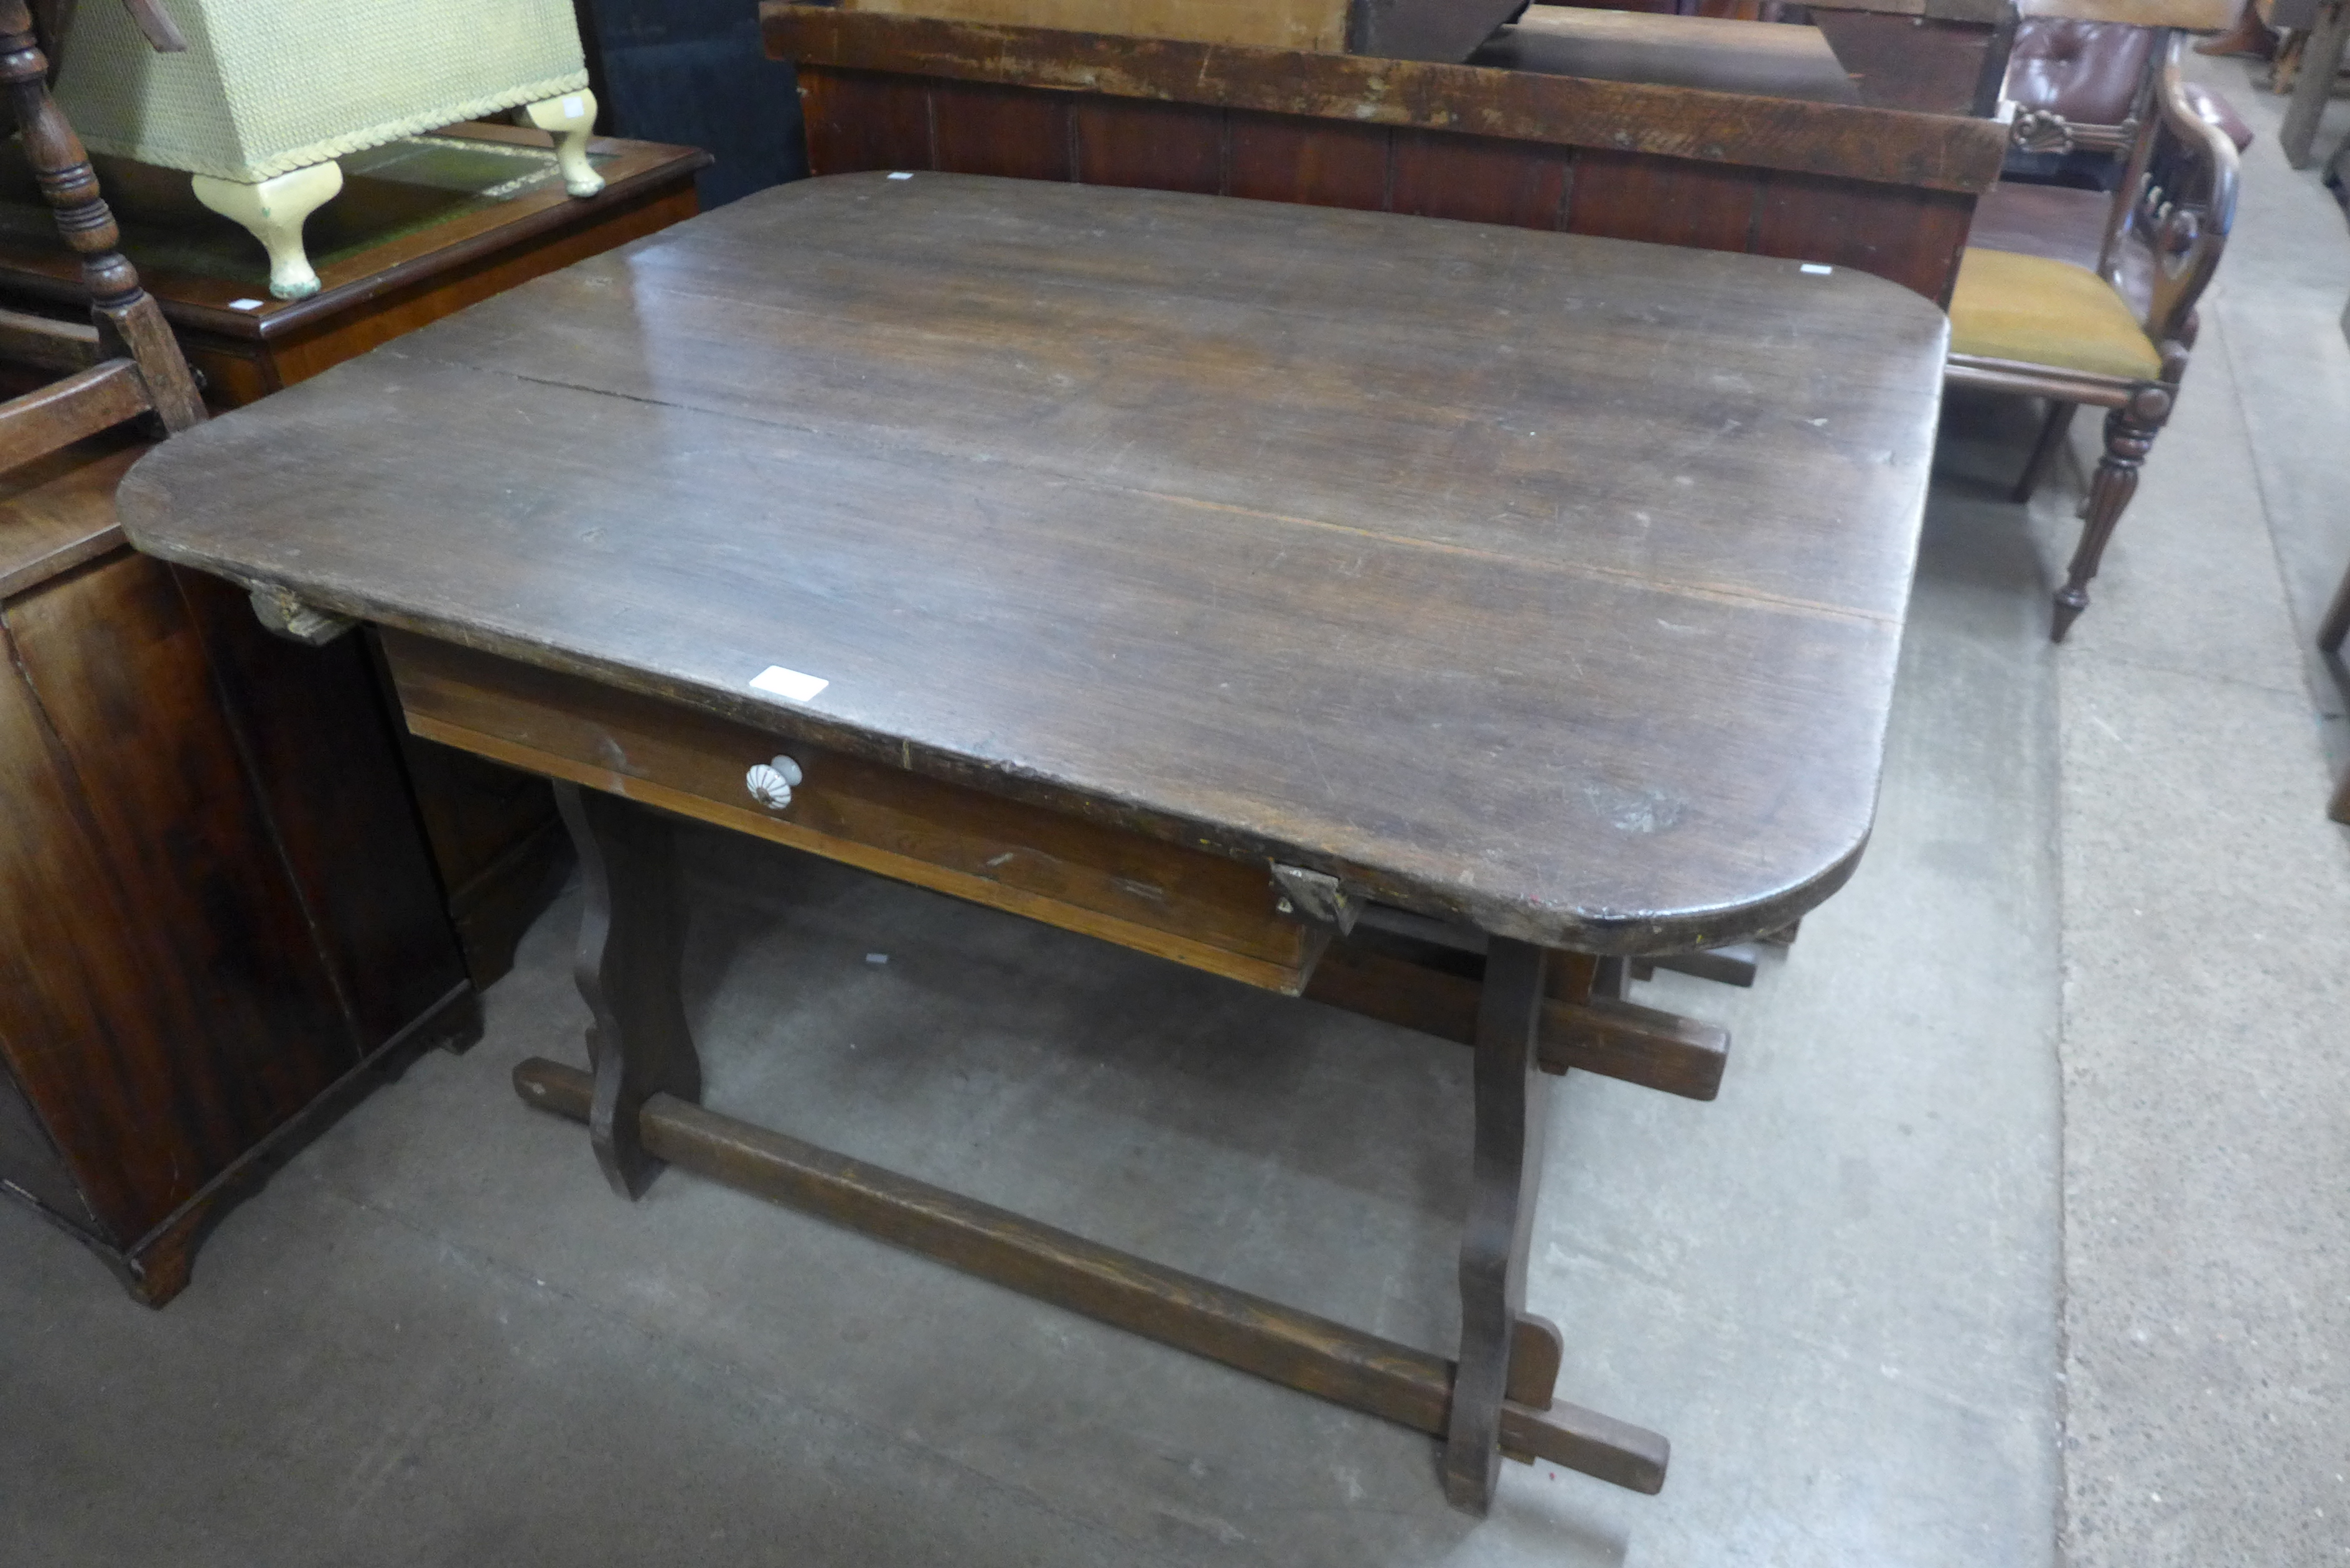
274,210
570,118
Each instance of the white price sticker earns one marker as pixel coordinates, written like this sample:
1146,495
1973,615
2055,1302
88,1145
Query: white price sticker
788,683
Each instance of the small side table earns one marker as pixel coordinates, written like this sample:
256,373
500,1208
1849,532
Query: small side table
425,227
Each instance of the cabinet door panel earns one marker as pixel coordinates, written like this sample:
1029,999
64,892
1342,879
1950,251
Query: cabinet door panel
324,755
167,1006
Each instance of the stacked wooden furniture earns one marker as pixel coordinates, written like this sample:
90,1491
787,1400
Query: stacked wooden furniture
424,227
219,910
1717,141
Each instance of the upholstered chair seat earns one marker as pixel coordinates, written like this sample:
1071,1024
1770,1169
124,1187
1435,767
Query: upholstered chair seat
2034,310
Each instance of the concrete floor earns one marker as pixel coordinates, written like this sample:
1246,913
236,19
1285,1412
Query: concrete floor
2016,1237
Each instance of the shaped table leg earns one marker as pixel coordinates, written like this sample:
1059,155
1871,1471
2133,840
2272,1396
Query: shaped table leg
570,119
274,210
1512,1094
627,970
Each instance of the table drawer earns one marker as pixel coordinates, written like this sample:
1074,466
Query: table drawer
1197,908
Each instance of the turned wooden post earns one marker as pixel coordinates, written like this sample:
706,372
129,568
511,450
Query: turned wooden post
129,320
2130,430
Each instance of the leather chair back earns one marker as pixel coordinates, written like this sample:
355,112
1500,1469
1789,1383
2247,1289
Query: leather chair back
2089,73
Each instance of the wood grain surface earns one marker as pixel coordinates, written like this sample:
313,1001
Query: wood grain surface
1186,905
1895,147
861,121
1275,24
58,513
1547,583
164,1005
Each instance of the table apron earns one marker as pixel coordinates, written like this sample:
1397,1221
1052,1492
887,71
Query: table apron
1197,908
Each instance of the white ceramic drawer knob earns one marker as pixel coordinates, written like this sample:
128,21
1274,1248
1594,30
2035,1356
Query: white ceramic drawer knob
770,782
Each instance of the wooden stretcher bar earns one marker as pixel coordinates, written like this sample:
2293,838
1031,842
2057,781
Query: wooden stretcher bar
1298,1349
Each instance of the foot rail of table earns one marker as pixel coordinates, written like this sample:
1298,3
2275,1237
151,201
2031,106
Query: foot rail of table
1298,1349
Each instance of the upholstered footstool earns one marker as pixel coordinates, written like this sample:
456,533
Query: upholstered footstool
267,96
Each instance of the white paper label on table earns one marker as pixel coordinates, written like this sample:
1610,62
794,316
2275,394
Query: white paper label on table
1817,270
788,683
244,304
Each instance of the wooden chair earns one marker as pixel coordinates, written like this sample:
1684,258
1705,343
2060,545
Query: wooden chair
126,363
2117,336
2330,636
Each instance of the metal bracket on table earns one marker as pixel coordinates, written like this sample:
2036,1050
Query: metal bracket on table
1317,897
295,621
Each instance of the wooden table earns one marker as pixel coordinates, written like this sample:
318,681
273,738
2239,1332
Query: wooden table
1421,616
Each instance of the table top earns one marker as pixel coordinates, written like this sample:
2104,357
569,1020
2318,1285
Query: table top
1550,583
409,209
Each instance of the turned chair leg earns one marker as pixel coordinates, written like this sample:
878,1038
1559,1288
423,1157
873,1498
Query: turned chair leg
2052,430
273,211
2130,430
570,118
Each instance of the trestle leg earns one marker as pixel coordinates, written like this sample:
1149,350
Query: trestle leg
1496,1400
1512,1094
627,970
